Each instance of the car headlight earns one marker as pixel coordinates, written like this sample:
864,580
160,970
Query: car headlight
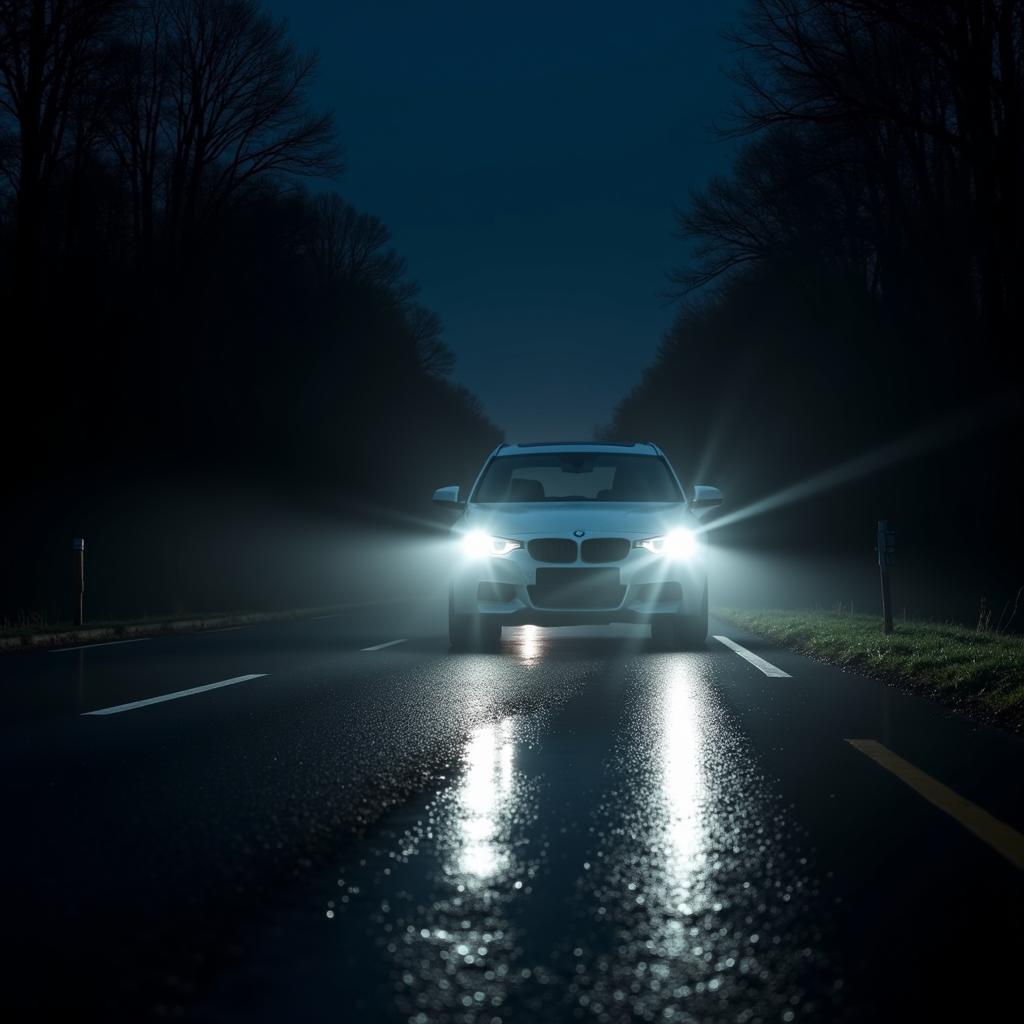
679,544
477,544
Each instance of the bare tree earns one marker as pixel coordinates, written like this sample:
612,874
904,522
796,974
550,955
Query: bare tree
139,87
211,104
434,356
49,50
931,94
787,196
237,109
348,246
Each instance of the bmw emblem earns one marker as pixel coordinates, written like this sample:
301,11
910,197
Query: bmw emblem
578,533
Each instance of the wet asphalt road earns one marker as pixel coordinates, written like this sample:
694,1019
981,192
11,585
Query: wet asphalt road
576,828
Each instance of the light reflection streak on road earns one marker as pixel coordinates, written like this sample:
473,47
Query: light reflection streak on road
457,950
527,644
702,877
683,789
683,897
483,797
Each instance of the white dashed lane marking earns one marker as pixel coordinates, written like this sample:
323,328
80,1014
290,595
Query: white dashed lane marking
118,708
759,663
390,643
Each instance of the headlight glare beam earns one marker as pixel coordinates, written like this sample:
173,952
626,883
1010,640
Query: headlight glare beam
679,545
478,544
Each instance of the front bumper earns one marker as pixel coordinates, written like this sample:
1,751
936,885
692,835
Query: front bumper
509,590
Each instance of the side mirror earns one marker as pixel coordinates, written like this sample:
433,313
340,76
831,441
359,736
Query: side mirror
448,497
705,498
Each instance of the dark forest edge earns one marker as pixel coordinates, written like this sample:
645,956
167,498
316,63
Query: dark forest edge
183,314
858,278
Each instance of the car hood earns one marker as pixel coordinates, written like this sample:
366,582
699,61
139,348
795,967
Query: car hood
562,519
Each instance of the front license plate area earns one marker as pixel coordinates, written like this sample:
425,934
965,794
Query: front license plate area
577,588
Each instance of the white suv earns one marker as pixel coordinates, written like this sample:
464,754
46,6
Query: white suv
562,534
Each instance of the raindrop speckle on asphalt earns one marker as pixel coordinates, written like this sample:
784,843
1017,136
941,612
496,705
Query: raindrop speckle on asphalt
700,902
612,852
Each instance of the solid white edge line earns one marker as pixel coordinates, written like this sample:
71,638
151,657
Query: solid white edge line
173,696
759,663
105,643
380,647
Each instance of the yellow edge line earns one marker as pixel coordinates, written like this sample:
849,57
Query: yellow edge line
1001,837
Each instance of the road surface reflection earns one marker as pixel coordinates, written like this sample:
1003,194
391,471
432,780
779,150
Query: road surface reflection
613,854
702,882
458,944
482,802
682,793
526,643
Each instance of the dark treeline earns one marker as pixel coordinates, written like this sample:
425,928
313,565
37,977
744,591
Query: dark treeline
178,307
857,278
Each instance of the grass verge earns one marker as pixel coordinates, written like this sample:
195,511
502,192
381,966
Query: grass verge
981,673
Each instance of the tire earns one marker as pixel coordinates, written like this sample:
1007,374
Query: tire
682,632
471,632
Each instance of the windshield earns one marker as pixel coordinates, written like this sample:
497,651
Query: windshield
577,476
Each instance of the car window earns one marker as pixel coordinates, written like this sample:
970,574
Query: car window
577,476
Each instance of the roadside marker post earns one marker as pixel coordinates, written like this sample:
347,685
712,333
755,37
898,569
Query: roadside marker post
886,550
78,547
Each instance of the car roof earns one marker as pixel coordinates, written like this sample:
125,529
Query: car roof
524,447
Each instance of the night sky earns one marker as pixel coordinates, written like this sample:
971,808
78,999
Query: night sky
527,159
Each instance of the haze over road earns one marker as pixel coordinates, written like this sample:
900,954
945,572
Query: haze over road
338,819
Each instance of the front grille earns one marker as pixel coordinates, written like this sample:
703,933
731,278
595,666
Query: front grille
552,549
577,589
604,549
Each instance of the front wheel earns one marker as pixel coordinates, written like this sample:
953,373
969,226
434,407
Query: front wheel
471,632
682,632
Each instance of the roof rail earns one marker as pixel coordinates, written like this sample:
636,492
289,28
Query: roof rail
545,444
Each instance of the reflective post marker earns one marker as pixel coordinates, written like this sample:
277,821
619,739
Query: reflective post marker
78,547
886,549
